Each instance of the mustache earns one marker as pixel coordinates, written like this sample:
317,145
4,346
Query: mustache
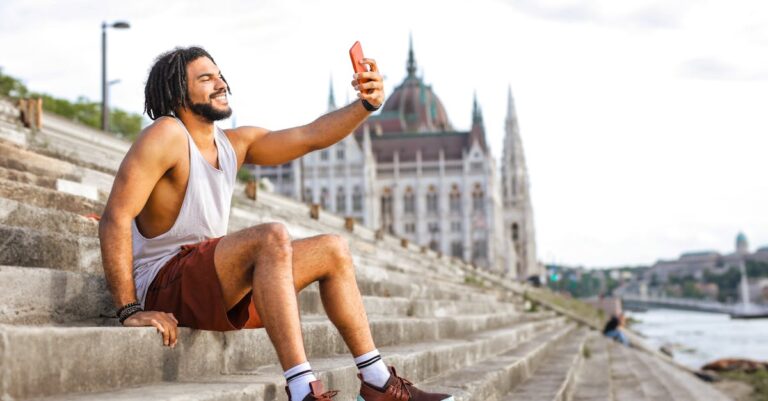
224,91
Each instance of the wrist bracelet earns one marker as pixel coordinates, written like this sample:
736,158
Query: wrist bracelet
127,311
368,106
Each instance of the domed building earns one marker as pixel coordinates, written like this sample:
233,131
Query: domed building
422,179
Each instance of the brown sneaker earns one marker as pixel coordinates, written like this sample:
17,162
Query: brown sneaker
316,393
397,389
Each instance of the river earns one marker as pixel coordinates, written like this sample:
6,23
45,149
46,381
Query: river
698,338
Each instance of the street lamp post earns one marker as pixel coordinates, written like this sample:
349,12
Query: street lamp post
104,84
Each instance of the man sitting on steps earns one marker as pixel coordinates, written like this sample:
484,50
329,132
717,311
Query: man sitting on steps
166,255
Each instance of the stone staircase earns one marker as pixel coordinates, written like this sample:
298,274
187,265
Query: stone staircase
442,324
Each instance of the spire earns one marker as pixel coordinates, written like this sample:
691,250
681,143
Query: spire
477,113
511,112
331,97
411,59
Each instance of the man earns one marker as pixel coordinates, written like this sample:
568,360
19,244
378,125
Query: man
168,261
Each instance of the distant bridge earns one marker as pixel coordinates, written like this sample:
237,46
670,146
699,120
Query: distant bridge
645,302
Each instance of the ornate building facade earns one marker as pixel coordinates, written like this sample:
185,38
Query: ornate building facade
408,171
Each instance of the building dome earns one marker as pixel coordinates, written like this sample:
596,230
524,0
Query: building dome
741,243
415,104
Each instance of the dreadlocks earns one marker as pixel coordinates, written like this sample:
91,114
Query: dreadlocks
166,89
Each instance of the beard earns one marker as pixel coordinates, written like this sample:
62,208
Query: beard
208,112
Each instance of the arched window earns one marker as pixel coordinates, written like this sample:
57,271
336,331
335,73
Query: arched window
324,198
409,201
478,199
432,200
357,199
387,218
515,232
455,199
341,200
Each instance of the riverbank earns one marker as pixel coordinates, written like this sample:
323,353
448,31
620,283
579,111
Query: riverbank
698,338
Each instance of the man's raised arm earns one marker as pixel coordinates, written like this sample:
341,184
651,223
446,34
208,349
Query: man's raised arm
276,147
144,164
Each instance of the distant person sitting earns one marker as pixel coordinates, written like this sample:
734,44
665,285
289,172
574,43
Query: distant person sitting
613,329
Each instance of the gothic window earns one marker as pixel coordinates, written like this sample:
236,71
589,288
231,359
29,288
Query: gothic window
432,200
409,201
455,226
434,227
341,201
457,249
479,250
478,199
515,232
455,199
324,197
386,211
357,199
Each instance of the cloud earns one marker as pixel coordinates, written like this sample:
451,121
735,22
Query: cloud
711,68
626,13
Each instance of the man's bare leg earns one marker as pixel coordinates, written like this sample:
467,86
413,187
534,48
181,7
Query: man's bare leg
283,268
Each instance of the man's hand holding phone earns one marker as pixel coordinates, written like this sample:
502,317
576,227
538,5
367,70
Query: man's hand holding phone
367,81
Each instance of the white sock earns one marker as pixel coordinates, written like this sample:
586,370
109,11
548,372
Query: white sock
373,369
298,378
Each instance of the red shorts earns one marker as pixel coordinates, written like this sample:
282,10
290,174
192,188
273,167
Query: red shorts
189,287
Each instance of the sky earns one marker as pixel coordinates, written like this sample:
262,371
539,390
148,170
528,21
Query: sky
643,121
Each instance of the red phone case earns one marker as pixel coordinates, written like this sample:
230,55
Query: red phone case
356,54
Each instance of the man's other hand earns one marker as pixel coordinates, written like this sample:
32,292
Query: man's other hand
369,85
165,323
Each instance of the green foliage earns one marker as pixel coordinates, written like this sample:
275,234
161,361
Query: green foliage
244,175
757,269
84,111
758,380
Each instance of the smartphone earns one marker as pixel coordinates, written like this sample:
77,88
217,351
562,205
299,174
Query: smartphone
356,55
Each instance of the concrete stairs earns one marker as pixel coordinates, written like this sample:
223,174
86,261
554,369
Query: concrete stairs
442,324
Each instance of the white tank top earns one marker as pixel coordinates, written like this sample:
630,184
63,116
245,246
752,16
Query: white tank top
204,212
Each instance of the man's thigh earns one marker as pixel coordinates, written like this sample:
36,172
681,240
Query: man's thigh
312,258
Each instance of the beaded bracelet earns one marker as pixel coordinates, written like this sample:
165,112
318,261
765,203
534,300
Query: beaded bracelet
127,311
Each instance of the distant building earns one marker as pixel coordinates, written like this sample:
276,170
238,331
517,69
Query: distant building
408,171
695,264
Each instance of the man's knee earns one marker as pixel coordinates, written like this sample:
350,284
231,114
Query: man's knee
272,237
338,246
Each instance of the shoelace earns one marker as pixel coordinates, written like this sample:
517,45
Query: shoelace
326,396
400,389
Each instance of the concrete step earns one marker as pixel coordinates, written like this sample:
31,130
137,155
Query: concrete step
555,379
20,159
32,248
52,360
48,198
501,372
416,362
21,215
650,386
309,302
626,385
35,248
42,296
27,178
681,385
593,381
